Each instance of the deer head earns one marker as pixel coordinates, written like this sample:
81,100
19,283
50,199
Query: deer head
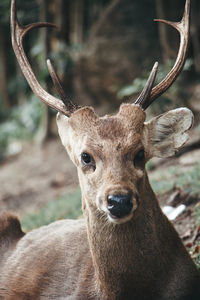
110,152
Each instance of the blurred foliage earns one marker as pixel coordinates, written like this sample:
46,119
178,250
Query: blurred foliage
21,124
138,83
166,101
197,214
23,7
20,119
66,207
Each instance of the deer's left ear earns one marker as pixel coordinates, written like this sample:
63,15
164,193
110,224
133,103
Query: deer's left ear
166,134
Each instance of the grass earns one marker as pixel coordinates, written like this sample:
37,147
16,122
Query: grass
66,207
188,181
197,214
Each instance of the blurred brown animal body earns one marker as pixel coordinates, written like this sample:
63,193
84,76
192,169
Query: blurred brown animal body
125,247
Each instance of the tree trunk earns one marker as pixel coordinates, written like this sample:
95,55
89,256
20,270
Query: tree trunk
44,39
162,29
4,69
76,20
195,35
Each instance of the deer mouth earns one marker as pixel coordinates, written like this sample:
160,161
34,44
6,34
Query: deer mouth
121,220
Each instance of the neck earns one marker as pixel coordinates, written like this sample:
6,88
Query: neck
120,252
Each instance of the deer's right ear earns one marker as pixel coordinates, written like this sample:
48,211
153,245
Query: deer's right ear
165,134
62,123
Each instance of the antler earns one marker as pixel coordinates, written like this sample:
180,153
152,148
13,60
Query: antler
71,106
65,106
146,98
18,33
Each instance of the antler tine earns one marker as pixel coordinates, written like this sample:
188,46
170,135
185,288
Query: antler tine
18,33
183,29
71,106
56,80
143,98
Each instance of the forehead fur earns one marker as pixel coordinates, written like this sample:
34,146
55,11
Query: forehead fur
133,114
129,118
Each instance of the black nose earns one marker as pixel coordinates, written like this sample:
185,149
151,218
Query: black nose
120,205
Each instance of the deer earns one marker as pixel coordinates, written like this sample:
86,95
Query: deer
124,247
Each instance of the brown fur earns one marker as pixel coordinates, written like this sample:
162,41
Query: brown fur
137,257
10,226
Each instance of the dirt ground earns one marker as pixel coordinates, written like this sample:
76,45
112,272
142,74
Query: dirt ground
41,173
38,174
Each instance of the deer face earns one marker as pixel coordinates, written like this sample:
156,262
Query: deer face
110,153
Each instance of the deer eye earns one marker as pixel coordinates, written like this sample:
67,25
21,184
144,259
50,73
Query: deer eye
139,158
86,158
